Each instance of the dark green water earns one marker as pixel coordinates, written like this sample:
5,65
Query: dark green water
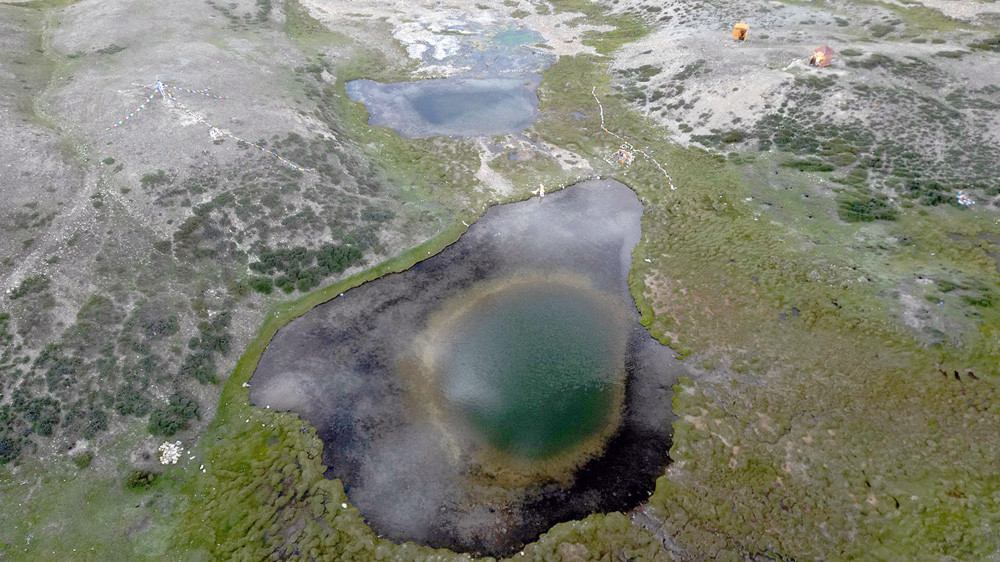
534,367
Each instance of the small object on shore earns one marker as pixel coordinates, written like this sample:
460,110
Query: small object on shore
625,154
170,453
964,199
740,31
823,56
540,192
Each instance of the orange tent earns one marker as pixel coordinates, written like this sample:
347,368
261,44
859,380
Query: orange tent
740,31
822,56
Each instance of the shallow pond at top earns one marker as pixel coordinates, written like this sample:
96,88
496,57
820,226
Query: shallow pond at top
491,88
453,107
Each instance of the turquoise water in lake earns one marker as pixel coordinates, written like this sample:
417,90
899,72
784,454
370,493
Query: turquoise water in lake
515,37
533,367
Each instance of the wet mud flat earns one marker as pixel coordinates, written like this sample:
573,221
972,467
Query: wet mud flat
356,368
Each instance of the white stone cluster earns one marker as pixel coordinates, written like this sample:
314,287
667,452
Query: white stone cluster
170,453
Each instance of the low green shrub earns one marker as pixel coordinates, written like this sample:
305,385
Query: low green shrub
864,207
174,416
140,479
808,165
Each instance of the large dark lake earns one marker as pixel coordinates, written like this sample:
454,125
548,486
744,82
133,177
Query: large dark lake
494,389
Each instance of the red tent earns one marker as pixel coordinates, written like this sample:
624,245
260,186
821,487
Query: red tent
822,56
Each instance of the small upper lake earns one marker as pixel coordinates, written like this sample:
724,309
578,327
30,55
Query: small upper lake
452,107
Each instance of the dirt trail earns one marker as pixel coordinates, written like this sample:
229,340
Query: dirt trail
75,211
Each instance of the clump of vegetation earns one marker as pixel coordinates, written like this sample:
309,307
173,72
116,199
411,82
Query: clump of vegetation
111,49
262,285
981,300
881,30
811,165
945,286
83,460
875,60
139,479
212,339
263,10
864,207
642,73
149,322
734,136
814,82
31,218
990,44
58,369
174,416
130,398
31,285
300,268
718,138
155,179
377,214
951,54
10,448
95,322
43,414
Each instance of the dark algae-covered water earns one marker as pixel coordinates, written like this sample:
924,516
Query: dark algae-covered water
494,389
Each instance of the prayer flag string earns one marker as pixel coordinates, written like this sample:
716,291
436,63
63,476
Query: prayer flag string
626,154
163,89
